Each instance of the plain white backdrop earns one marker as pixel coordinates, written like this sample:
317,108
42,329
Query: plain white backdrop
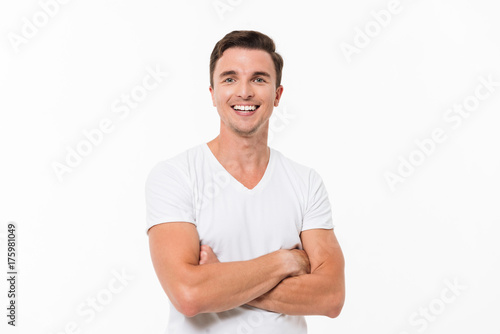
389,101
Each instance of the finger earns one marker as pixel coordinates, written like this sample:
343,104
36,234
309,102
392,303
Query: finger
203,257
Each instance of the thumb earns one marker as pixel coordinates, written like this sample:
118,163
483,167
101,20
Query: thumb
203,257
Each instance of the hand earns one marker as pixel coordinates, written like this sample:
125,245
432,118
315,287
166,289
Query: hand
300,262
207,255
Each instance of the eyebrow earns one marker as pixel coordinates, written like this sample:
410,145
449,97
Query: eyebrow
262,74
226,73
258,73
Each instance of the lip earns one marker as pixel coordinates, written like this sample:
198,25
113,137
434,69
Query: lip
248,113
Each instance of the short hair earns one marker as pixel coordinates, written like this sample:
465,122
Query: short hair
247,39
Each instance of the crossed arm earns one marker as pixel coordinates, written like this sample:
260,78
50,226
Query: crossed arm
320,292
295,282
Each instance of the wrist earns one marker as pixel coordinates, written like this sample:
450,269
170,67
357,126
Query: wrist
288,263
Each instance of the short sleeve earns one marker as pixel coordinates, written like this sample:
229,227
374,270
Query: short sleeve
318,213
168,196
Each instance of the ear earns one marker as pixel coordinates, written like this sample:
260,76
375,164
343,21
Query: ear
213,97
279,92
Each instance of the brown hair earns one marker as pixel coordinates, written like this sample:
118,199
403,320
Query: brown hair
247,39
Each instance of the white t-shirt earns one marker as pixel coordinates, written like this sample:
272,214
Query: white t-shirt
238,223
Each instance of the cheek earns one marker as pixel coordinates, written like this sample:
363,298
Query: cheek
223,96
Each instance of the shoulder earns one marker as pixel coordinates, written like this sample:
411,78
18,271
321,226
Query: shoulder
302,172
178,165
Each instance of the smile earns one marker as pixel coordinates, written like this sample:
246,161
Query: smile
245,108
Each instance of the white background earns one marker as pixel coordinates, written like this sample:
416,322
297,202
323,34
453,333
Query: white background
352,118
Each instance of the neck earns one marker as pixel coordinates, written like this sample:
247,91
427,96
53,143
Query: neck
246,153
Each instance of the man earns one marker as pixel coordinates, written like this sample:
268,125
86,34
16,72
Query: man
241,237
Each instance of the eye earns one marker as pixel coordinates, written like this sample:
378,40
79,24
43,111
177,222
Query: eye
260,80
229,80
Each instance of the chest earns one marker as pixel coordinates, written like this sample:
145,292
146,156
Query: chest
241,225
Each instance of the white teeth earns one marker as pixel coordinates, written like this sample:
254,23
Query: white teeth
245,108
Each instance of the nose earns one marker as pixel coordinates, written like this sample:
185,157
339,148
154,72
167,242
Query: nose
245,90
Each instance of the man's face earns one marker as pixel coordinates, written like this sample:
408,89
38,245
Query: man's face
245,90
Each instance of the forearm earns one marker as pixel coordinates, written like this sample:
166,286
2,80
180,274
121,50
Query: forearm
218,287
309,294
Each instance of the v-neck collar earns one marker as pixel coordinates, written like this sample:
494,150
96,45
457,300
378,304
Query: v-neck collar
263,180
